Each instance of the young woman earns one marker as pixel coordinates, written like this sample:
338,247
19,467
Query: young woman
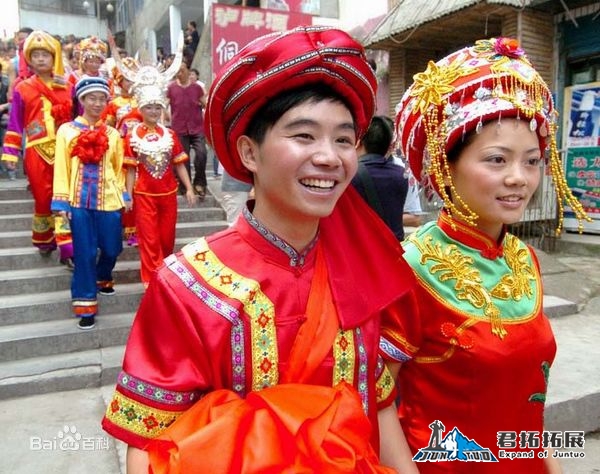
153,155
476,349
89,190
262,322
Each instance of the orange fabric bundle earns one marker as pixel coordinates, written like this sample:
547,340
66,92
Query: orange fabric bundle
289,428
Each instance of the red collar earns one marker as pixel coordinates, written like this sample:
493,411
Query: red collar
472,237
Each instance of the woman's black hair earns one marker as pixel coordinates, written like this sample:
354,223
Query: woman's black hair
274,109
453,153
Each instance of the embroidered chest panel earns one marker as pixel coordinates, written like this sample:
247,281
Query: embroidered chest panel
505,289
349,349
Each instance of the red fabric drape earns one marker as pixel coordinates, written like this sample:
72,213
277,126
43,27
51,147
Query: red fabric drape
289,428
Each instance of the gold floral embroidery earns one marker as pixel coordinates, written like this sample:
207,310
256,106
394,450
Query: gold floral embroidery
344,355
47,150
260,309
435,82
518,283
452,265
384,385
138,418
42,224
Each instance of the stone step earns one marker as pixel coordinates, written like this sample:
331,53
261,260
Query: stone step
12,222
555,307
56,278
16,206
573,398
56,305
17,192
22,238
23,341
20,258
586,245
60,372
12,199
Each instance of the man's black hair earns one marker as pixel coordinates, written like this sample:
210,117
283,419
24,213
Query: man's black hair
379,136
276,107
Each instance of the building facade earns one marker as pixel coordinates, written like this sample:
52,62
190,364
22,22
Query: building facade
562,40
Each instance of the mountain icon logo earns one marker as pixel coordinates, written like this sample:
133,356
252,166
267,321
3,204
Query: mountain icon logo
455,446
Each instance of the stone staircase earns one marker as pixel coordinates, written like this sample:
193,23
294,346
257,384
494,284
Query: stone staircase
41,349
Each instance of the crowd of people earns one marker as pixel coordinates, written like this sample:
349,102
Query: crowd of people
309,336
89,137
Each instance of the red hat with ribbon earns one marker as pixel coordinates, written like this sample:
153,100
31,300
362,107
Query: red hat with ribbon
279,62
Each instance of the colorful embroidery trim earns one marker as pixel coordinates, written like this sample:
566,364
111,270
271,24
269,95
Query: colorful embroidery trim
259,308
344,355
154,393
224,309
362,386
138,418
384,383
392,351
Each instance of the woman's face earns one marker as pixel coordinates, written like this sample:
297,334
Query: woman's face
497,173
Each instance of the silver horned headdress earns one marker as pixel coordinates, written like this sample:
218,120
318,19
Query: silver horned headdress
149,81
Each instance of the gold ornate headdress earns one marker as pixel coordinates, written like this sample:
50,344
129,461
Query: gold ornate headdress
491,80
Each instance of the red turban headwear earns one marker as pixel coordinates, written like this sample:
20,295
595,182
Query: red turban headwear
279,62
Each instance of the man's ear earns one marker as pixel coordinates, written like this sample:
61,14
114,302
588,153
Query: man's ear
360,149
248,151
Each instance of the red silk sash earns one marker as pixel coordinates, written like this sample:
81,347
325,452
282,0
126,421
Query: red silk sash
61,109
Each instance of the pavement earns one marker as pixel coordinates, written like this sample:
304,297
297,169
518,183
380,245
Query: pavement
61,433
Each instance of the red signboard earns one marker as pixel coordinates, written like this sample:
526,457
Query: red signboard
312,7
234,27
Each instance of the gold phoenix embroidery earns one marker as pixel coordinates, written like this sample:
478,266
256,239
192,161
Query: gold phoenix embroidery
518,283
469,287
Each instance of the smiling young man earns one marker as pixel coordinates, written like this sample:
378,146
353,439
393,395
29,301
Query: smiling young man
273,324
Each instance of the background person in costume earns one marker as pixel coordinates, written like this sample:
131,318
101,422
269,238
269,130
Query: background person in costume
123,114
89,189
476,351
264,319
153,155
40,104
92,55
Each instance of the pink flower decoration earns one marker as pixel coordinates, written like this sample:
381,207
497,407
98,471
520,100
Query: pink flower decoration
508,47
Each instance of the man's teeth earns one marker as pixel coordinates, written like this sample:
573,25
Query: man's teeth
318,183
